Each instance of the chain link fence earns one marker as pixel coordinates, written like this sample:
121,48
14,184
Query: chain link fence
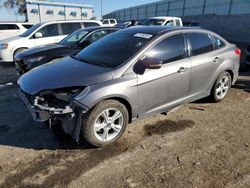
182,8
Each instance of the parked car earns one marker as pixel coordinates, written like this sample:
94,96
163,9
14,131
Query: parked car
13,29
72,44
41,34
109,22
128,75
164,21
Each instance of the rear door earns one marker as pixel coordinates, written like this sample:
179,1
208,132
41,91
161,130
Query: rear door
205,61
161,88
68,28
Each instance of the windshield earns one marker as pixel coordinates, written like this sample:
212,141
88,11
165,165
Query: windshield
113,50
74,37
30,30
152,22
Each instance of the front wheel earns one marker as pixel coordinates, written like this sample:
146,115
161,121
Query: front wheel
221,87
105,123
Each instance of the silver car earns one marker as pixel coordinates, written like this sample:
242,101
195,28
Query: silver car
128,75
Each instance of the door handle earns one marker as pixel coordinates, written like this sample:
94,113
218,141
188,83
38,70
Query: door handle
216,59
182,69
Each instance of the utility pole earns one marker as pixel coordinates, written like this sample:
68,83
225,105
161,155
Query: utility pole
101,9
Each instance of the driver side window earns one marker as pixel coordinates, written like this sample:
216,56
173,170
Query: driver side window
96,35
169,50
49,30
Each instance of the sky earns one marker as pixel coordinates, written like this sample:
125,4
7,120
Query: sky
108,6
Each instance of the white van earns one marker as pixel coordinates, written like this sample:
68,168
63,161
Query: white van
164,20
41,34
13,29
109,22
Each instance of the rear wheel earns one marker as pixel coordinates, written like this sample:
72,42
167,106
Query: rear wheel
105,123
221,87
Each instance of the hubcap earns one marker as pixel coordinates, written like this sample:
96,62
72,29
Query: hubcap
108,124
222,87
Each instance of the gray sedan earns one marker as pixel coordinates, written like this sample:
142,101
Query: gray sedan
128,75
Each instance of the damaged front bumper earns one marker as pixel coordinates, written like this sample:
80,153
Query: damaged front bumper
54,106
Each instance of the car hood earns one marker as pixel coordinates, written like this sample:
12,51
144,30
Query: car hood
68,72
10,39
40,50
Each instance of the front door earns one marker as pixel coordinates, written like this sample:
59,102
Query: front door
50,35
161,88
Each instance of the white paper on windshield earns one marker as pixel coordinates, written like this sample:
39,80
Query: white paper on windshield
143,35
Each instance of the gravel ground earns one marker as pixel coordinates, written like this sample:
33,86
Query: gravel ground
201,144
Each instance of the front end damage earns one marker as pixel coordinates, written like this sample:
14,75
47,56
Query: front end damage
57,106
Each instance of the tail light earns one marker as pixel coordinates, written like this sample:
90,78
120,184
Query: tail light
238,51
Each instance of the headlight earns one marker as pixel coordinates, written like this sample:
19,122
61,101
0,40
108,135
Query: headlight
4,46
34,59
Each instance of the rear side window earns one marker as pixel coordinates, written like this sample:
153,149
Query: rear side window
112,21
178,23
9,27
218,43
27,26
169,50
68,28
90,24
49,30
200,43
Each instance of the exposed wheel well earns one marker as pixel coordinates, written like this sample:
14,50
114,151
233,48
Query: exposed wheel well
127,105
231,74
17,51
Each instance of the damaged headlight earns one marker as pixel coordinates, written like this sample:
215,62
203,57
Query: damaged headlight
58,101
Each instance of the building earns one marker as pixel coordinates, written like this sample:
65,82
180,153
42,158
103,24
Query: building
230,18
42,11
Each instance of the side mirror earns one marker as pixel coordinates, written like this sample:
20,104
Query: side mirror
84,43
38,35
151,63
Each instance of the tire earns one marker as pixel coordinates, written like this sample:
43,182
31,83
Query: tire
221,87
95,125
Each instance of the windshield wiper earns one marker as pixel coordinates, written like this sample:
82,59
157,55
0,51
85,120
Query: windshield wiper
86,61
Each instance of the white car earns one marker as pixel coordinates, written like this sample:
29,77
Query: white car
41,34
109,22
13,29
164,20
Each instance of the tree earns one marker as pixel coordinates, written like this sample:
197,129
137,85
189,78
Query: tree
10,4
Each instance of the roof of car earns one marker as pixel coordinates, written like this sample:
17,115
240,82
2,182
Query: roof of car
164,17
90,29
155,30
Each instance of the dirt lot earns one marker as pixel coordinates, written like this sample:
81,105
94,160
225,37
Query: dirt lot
200,145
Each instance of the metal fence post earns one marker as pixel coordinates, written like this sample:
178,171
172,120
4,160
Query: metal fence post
204,6
168,9
183,8
156,9
230,7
